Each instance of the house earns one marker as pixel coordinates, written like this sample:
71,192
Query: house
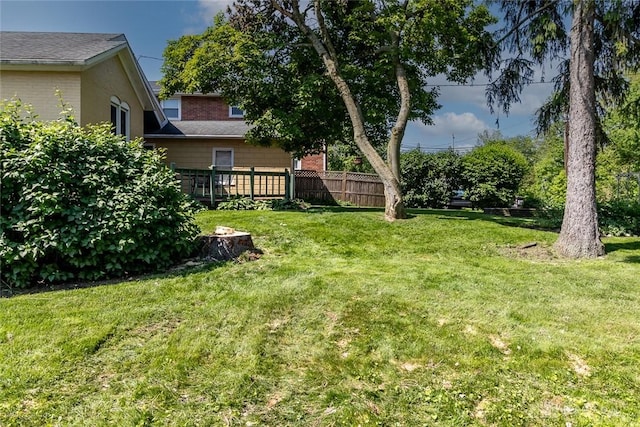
204,141
97,75
203,131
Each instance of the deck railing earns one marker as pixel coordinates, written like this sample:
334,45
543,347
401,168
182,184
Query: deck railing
213,185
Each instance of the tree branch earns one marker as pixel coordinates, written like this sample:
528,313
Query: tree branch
397,133
277,6
323,30
521,22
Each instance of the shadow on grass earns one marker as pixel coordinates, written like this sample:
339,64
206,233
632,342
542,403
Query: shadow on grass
181,270
632,245
623,246
339,209
445,214
471,215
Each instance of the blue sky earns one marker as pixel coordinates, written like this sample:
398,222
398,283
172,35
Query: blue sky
149,24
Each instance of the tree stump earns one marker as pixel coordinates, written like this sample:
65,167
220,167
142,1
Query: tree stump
224,247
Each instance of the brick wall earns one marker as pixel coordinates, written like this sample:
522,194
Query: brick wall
313,162
205,108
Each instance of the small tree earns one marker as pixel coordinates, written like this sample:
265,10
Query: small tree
312,72
83,203
546,184
492,174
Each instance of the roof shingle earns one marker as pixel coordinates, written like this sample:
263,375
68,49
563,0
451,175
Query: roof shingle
56,48
204,128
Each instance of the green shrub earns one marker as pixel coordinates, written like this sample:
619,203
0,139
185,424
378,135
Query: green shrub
615,218
492,175
242,204
550,216
289,205
619,218
246,204
82,203
429,179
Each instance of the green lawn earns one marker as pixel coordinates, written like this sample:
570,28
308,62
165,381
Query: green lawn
345,320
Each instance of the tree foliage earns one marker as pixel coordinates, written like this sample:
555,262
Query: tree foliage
546,183
312,73
491,175
536,33
430,179
528,146
82,203
622,126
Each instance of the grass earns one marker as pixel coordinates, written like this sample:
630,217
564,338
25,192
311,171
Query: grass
441,319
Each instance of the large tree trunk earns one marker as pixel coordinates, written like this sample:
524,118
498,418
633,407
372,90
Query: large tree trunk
393,204
579,236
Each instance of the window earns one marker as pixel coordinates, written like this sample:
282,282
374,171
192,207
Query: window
223,161
297,164
120,115
171,108
236,112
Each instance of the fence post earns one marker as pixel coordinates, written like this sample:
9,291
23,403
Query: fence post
212,187
292,184
252,180
344,185
287,185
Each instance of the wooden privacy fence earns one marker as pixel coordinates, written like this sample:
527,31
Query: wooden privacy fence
361,189
211,185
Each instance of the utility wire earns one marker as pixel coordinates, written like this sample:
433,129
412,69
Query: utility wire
477,84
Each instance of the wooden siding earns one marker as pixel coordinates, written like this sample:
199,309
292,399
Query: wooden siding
99,84
38,88
361,189
198,153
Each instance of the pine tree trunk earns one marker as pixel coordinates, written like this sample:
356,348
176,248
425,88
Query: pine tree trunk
579,235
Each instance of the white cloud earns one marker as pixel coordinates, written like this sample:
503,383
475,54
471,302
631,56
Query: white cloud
202,17
451,123
210,8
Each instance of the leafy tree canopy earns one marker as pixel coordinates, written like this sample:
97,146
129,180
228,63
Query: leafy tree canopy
526,145
257,58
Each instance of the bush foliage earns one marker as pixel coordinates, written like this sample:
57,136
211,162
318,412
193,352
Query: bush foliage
247,204
429,179
82,203
619,218
492,174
